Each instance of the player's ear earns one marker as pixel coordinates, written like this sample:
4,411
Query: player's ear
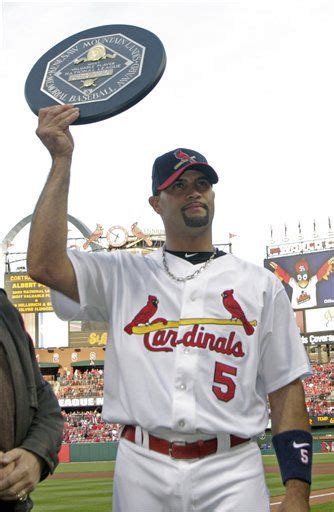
154,202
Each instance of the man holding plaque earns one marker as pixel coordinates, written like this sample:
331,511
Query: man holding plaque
198,339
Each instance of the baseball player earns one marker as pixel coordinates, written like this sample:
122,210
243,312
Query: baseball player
198,340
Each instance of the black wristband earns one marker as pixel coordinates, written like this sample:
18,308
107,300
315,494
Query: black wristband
294,454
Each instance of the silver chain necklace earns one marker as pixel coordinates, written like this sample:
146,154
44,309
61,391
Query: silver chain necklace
190,276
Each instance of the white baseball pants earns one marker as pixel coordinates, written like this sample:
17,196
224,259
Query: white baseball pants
229,481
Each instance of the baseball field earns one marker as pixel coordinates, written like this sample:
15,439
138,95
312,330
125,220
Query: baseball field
88,486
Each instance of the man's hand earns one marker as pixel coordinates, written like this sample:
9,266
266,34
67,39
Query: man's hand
53,129
20,472
5,470
296,498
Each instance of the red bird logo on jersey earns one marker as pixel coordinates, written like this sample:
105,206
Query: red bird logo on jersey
144,315
237,313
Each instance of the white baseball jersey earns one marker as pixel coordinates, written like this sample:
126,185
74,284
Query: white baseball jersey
304,297
199,355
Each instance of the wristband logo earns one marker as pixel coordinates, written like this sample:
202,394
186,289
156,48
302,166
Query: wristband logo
303,452
300,445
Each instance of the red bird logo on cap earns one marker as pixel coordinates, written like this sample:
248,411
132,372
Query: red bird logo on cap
144,315
184,157
236,311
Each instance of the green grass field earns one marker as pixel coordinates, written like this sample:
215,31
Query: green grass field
319,481
95,494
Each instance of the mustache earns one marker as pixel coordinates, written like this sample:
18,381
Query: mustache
199,203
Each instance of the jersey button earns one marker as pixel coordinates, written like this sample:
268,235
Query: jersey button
181,423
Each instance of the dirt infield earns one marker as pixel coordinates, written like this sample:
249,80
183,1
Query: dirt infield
72,476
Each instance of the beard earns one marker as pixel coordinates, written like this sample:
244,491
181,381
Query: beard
196,222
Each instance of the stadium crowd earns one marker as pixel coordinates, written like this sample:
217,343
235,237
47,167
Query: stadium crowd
321,382
87,426
319,388
79,384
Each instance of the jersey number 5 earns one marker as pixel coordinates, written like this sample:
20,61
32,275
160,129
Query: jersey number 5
220,378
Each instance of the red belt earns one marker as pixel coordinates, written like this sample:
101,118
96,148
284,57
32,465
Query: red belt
179,450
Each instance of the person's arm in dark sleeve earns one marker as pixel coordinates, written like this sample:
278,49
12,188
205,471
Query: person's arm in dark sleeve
44,436
23,467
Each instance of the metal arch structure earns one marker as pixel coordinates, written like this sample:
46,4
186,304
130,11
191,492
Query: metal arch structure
16,229
73,220
83,230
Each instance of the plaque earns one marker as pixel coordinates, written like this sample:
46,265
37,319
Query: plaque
103,71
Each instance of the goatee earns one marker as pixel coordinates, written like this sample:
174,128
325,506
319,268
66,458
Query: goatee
196,222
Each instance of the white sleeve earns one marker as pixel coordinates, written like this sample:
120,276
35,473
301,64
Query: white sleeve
282,355
94,277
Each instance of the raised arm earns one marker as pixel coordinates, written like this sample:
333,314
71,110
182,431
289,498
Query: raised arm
47,258
280,272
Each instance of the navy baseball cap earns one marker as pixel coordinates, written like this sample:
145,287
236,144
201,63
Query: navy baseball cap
168,168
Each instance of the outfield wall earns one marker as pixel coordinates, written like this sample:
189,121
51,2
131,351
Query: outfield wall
323,442
88,452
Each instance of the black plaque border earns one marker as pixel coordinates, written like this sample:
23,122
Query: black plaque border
152,70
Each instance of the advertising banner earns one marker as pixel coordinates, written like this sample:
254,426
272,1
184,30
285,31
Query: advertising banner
88,339
317,338
81,402
327,420
319,320
27,295
307,278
